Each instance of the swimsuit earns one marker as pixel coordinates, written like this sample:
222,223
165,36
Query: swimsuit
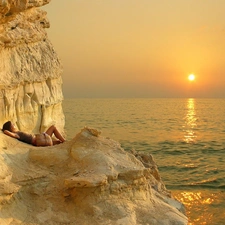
24,137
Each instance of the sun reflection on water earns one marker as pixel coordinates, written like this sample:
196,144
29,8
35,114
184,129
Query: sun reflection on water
197,206
190,122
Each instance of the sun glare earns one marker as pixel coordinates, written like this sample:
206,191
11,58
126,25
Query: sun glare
191,77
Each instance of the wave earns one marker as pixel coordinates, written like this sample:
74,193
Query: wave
196,186
213,183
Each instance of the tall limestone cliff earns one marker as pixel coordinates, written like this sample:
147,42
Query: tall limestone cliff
30,70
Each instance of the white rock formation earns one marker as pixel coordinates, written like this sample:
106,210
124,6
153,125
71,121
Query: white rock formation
30,70
89,180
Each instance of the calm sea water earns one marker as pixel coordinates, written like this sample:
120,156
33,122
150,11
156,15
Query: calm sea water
185,136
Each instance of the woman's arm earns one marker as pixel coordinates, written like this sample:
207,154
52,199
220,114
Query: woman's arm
11,134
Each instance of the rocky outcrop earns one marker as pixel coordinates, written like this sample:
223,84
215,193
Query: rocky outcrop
30,70
88,180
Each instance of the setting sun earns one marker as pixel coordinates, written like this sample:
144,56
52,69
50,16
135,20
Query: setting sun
191,77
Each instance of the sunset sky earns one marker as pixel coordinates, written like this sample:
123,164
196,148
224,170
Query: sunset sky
144,48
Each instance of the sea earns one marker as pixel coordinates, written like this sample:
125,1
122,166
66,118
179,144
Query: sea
186,137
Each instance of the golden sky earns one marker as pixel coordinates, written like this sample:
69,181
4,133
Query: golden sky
140,48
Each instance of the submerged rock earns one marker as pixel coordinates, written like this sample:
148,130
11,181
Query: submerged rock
88,180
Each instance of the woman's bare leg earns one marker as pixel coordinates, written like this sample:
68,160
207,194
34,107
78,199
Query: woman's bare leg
53,130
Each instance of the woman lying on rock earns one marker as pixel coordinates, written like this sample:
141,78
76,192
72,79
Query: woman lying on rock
43,139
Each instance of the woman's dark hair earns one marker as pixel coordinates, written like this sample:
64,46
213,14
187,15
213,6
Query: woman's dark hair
7,126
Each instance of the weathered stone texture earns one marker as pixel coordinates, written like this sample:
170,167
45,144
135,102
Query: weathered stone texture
8,7
30,70
88,180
